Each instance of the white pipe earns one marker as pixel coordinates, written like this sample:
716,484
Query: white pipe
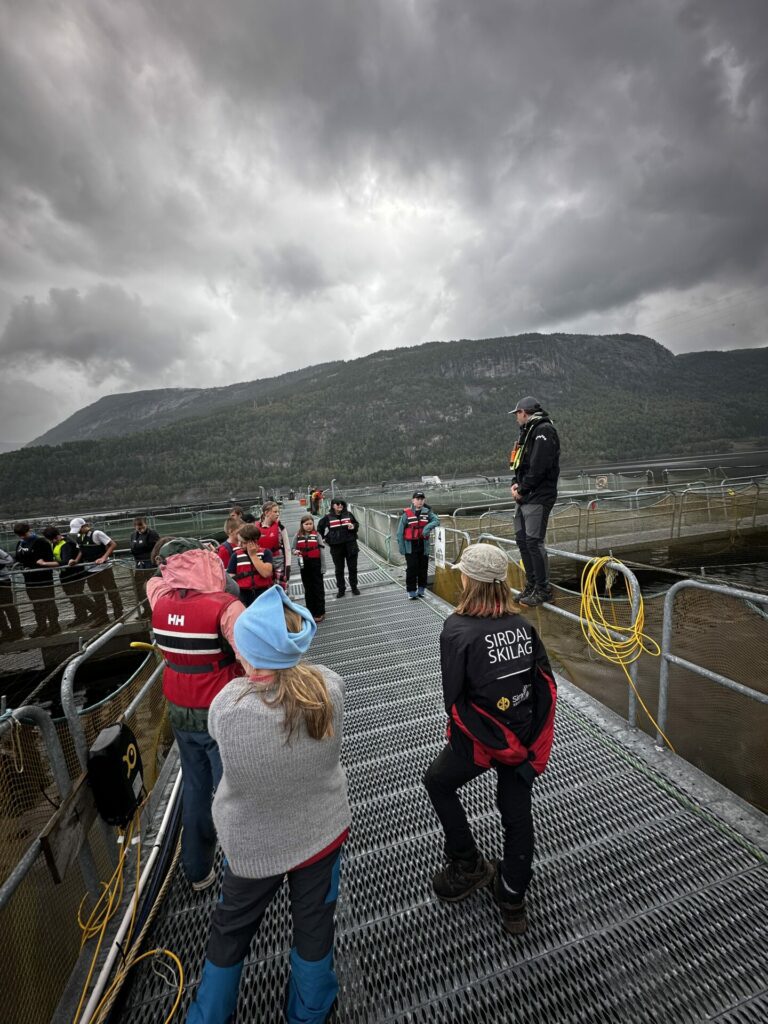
101,981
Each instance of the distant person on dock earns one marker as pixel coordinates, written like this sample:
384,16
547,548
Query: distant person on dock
231,528
143,540
96,547
10,622
193,620
416,523
500,694
535,465
274,538
309,547
315,497
71,575
339,530
35,555
281,809
250,565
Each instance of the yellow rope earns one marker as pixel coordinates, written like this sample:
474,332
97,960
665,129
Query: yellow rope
595,628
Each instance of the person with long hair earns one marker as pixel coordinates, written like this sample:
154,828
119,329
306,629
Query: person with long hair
500,694
309,547
281,809
274,538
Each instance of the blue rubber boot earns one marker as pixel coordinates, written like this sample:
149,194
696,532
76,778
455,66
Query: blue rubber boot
312,989
412,595
216,997
420,592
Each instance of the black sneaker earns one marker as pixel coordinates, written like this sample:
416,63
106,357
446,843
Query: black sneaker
355,591
527,590
513,914
541,595
340,593
458,878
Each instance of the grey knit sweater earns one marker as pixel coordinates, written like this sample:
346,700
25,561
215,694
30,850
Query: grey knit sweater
278,803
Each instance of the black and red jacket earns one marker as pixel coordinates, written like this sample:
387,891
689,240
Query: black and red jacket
308,545
198,660
499,690
335,528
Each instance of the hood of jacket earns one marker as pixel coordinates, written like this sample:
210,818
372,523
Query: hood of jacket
338,501
195,570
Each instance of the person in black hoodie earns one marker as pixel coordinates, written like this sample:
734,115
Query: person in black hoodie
535,465
339,530
500,694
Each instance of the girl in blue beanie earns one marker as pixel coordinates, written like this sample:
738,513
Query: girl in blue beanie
281,808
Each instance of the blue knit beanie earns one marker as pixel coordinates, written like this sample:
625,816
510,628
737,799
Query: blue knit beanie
262,637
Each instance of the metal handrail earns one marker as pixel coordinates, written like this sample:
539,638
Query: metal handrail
668,658
634,588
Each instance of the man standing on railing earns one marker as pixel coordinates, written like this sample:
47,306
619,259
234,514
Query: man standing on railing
413,530
535,465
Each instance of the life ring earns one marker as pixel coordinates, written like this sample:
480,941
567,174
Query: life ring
601,482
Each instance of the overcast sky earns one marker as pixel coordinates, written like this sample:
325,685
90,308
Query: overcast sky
195,193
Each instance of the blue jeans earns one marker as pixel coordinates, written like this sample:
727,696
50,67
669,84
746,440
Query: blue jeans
201,774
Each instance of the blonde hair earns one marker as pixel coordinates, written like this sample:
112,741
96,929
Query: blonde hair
485,600
300,692
232,525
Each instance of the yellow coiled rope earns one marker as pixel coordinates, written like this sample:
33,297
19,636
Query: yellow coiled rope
595,628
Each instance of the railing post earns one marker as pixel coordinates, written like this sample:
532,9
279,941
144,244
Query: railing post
36,716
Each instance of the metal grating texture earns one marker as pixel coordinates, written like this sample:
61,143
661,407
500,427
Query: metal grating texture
643,908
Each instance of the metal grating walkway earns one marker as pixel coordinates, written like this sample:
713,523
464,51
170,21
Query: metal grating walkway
644,907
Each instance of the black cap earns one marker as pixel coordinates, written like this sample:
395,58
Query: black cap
527,404
418,494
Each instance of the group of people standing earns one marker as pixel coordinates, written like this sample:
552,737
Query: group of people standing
80,557
259,734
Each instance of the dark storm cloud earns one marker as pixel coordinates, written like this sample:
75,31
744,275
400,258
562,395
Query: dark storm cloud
374,174
106,332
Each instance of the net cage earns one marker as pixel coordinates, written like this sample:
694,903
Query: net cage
41,937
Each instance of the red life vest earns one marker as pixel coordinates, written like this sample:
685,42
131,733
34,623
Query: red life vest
198,660
246,576
308,545
270,539
416,521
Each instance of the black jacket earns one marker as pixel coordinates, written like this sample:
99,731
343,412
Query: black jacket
334,529
499,690
143,543
539,468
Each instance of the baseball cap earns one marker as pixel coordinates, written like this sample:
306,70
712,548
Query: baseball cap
527,404
418,494
75,524
483,562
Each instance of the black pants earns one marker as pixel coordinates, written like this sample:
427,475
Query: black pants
447,774
10,623
530,534
244,901
103,583
43,605
341,553
74,589
416,570
314,590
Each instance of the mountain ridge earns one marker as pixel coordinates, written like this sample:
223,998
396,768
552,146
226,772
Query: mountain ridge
440,407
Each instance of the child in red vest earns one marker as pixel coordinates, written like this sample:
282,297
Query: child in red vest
308,545
250,565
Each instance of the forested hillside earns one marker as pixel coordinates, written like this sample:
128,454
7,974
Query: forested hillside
436,408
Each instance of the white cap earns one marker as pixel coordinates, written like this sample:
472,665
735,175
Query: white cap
75,524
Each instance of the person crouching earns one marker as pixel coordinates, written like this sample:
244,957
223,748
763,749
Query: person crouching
281,808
